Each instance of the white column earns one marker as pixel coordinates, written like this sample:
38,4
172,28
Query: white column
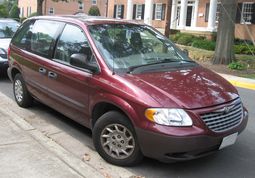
183,14
212,15
129,9
173,23
194,22
148,12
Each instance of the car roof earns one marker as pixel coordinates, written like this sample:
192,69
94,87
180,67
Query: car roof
88,20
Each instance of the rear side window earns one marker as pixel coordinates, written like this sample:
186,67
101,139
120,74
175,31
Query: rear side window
72,41
44,36
23,37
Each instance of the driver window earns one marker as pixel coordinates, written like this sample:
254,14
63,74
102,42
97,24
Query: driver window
72,41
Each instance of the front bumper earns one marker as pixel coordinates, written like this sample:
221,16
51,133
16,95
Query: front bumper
179,148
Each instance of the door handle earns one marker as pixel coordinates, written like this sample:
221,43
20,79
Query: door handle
42,70
52,75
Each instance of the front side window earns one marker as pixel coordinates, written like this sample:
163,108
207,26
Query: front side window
126,46
247,11
72,41
158,12
43,37
8,28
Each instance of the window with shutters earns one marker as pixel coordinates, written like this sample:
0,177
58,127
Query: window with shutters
80,5
51,11
139,10
118,11
217,11
158,12
94,2
247,11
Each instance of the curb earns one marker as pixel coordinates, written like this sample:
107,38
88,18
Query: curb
239,81
84,169
242,84
77,165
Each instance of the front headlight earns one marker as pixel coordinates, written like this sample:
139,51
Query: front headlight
168,117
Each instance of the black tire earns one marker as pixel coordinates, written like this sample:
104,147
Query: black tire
115,118
24,99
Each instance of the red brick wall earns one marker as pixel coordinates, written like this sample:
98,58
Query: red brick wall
71,7
155,23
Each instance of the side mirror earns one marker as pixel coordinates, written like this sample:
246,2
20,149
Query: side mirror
81,61
185,51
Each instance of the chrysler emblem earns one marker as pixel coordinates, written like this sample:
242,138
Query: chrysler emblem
225,110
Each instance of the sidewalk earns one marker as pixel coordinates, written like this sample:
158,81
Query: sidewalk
25,153
240,82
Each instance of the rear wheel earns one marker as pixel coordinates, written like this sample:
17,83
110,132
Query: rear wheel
21,94
115,140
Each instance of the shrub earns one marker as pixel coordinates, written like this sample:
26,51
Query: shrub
3,11
14,12
237,66
185,39
244,49
175,37
204,44
94,11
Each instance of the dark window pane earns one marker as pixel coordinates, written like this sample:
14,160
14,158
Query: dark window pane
23,37
44,34
72,41
8,28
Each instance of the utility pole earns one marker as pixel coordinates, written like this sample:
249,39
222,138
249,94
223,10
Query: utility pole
168,18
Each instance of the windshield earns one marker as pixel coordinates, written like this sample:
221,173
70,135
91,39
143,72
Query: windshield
7,29
127,46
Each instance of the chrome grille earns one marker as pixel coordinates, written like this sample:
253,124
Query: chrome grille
225,118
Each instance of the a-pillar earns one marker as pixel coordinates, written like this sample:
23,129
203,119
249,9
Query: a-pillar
148,12
183,14
129,9
212,15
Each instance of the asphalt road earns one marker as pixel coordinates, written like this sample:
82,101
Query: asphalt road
237,161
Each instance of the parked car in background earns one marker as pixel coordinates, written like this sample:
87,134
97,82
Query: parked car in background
138,92
7,29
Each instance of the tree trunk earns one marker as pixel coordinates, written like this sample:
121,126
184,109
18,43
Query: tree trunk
224,51
39,7
168,18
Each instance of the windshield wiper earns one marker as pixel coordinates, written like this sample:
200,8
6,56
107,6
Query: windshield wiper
132,68
174,60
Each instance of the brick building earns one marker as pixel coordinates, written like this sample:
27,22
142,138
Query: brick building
195,16
27,7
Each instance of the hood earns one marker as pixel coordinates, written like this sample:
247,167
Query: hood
4,43
192,88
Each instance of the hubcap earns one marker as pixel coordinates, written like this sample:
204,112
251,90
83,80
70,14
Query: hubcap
18,89
117,141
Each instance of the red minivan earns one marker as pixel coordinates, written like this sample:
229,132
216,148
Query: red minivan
138,93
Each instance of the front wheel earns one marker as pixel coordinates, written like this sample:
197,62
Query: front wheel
21,94
115,140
